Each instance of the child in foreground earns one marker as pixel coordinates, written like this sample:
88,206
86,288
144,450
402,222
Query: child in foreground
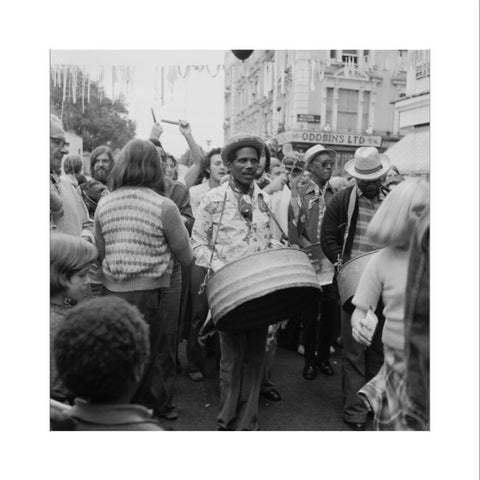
70,260
101,350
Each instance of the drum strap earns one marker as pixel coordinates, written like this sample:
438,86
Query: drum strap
284,236
351,208
212,246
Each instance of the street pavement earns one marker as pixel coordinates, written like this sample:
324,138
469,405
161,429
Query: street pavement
306,405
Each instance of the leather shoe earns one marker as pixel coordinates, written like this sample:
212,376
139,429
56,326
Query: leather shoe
326,368
357,426
170,413
271,395
196,376
309,372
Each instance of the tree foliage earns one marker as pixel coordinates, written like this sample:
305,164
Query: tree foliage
100,121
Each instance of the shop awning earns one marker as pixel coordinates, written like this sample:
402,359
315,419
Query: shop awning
411,154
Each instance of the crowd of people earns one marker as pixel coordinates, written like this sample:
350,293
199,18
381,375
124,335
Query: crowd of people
134,243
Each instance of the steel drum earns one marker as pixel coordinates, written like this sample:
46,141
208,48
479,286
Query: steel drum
349,274
261,289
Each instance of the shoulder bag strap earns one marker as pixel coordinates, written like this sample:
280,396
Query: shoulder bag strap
351,208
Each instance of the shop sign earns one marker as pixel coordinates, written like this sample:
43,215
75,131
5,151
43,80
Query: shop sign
331,138
287,148
308,118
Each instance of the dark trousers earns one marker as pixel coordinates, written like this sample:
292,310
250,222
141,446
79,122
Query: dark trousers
151,392
359,365
318,334
196,352
167,348
267,384
241,370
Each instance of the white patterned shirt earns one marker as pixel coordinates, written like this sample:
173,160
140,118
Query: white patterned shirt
237,236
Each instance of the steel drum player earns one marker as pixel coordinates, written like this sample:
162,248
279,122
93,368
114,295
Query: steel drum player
232,222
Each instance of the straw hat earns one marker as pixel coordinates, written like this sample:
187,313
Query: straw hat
368,164
312,152
242,140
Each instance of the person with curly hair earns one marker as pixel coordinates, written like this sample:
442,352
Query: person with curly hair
101,351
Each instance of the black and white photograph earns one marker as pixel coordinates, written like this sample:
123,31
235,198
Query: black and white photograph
216,223
250,227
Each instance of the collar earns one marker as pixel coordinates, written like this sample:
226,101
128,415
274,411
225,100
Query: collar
311,186
109,414
256,190
381,194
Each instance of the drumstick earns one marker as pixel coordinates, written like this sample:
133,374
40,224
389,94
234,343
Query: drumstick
153,115
173,122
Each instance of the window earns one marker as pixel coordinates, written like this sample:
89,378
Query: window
333,54
328,113
350,56
423,71
366,109
347,109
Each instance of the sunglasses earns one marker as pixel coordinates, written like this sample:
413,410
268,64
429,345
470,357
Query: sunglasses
60,142
324,164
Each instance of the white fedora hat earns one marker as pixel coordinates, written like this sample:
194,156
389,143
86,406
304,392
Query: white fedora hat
314,151
367,164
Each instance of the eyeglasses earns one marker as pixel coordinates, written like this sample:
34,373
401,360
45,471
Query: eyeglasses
323,164
60,142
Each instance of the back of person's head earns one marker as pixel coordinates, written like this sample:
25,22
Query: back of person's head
139,165
72,164
395,220
101,349
68,255
97,152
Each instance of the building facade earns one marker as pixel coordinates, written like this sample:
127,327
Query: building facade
411,155
343,99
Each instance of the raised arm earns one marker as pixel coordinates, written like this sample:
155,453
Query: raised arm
196,169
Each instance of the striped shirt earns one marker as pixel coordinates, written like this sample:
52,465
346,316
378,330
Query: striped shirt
137,231
366,210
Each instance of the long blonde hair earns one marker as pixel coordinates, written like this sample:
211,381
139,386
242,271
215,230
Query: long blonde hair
394,223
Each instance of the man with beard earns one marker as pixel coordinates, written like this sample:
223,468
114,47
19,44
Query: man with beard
356,206
101,164
67,211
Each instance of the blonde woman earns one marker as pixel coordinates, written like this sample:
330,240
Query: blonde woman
385,277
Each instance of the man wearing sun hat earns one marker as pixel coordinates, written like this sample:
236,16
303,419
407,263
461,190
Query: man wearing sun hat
307,207
68,213
356,205
232,221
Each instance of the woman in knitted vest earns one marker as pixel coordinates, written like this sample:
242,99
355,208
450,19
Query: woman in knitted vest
139,233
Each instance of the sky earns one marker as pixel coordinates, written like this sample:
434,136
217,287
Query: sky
199,98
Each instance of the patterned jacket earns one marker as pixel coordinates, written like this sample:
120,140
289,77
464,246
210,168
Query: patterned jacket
237,236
